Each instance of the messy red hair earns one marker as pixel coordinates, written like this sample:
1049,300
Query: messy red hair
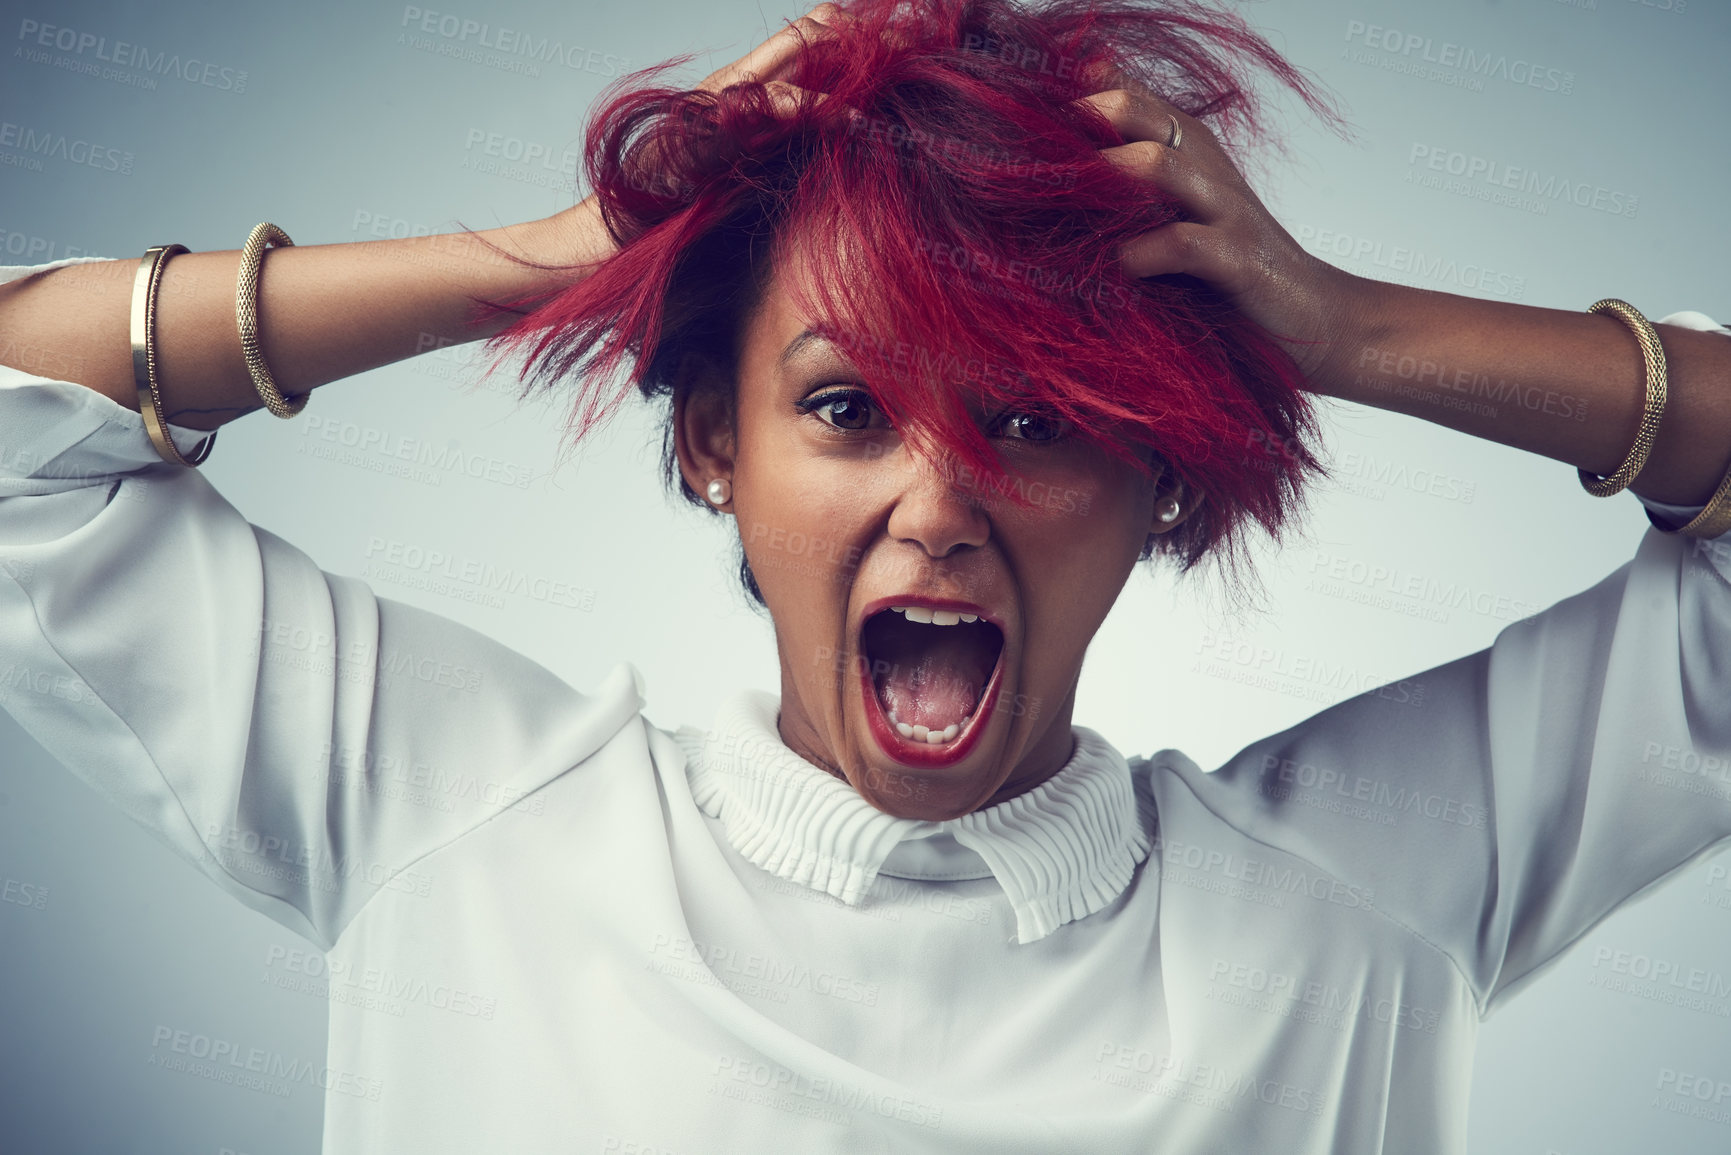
969,230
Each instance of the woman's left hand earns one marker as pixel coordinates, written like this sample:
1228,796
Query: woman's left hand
1230,239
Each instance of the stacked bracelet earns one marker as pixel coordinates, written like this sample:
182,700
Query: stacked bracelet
1715,518
1653,358
246,319
144,288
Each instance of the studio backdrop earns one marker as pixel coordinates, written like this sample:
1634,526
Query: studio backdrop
1549,152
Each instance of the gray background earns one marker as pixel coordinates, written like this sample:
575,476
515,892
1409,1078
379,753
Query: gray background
350,120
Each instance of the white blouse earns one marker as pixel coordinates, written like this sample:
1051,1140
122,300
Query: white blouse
551,926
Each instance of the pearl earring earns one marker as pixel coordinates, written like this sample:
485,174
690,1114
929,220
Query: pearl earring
720,491
1167,511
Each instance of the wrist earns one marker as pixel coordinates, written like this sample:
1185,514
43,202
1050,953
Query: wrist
576,236
1358,323
546,255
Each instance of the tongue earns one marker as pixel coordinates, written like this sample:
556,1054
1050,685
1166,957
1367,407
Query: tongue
930,674
929,692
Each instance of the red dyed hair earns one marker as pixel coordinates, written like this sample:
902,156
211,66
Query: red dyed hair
969,227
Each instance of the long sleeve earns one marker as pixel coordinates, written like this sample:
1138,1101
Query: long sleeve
1501,805
301,741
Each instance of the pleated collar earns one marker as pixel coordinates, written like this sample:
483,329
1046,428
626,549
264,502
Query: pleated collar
1061,851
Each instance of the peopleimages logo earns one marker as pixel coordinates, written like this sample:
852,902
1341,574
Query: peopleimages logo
227,1061
88,51
475,40
1484,178
1451,62
1394,262
34,144
36,250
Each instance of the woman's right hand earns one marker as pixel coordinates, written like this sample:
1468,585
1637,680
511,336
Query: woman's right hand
325,311
769,61
578,235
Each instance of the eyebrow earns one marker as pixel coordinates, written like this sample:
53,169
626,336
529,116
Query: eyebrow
805,338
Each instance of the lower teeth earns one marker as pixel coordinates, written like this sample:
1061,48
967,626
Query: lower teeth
923,734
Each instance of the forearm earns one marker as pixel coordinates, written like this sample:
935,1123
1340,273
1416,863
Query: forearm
1561,383
325,311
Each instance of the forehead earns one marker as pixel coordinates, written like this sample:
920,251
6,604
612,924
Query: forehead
933,383
779,335
781,309
776,319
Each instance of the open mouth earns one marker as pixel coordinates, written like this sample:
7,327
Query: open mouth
931,672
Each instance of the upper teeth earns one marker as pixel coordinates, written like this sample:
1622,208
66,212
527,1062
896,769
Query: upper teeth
933,617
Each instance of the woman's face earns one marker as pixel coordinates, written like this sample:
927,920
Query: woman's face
842,523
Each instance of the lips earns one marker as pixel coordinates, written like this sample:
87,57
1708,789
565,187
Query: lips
929,678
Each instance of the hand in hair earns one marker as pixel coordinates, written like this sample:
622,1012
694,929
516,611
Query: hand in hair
658,171
770,61
1226,237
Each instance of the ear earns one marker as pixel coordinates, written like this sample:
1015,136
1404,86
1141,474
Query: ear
703,434
1174,502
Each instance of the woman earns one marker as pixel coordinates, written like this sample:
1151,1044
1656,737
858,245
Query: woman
908,906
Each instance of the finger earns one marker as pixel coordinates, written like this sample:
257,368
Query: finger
1169,171
1138,114
768,59
1102,76
787,99
1183,247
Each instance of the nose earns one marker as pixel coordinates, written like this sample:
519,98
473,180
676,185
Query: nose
932,510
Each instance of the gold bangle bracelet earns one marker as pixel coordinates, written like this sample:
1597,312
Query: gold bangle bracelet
1715,518
1652,409
246,319
144,288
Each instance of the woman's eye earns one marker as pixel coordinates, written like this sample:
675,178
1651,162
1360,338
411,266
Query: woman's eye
1031,427
848,409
